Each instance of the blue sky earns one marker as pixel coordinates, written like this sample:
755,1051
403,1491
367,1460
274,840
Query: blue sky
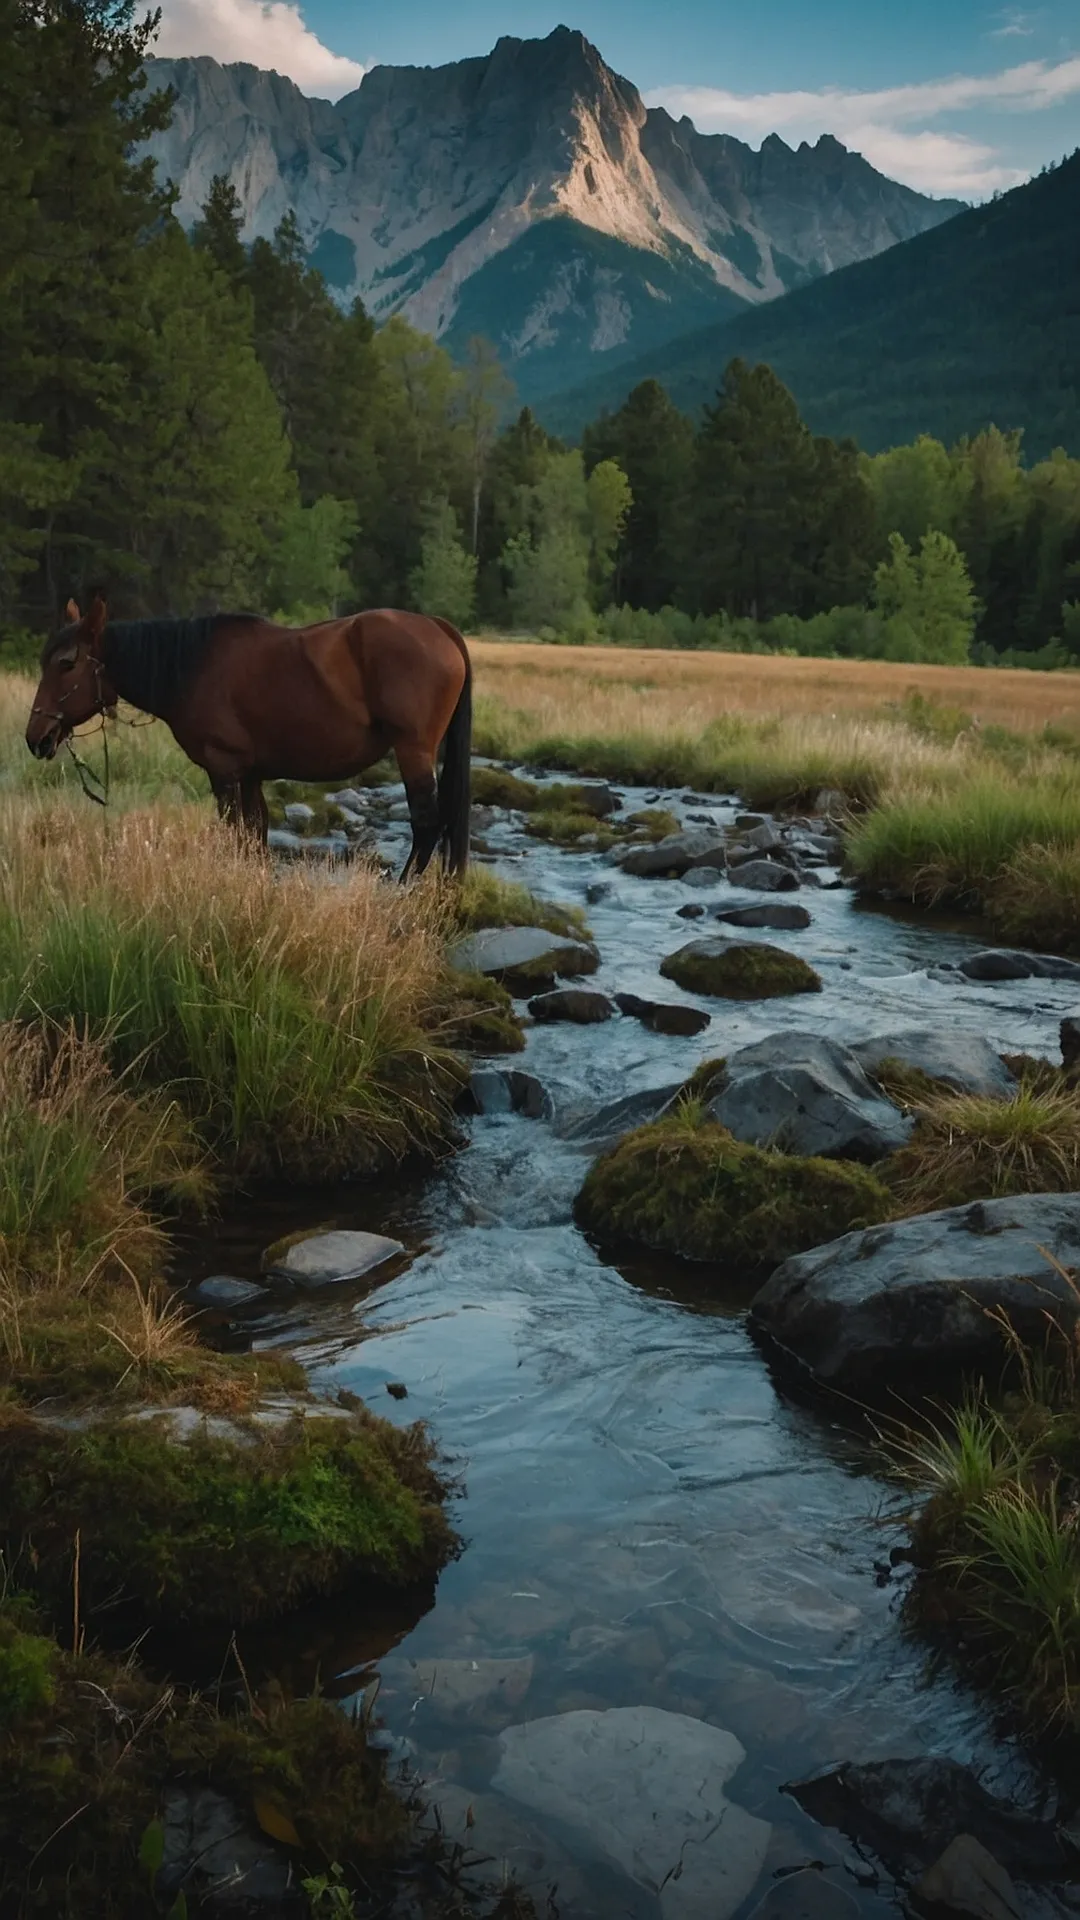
952,96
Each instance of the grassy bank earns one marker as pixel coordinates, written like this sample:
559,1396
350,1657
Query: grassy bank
175,1016
296,1024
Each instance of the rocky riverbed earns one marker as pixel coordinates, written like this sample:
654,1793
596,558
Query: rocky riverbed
675,1572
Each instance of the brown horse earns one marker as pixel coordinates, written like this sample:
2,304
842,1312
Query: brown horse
251,701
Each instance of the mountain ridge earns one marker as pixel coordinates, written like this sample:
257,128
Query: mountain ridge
948,333
423,178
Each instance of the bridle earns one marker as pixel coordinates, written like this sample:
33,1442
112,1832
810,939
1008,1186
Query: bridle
86,773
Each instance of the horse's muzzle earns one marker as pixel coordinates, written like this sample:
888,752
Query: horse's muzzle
46,745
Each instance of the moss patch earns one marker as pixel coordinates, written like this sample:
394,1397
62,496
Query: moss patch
484,1020
485,899
739,970
685,1185
217,1528
91,1750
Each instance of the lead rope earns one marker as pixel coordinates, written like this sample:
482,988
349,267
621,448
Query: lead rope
86,773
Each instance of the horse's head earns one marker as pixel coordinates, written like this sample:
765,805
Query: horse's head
73,685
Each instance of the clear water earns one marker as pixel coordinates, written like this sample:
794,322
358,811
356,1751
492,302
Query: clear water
648,1518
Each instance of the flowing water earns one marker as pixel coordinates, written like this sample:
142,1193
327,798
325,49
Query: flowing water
649,1519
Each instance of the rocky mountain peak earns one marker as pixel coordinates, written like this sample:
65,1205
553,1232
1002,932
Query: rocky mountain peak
433,191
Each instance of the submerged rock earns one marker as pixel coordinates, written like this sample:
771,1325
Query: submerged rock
225,1291
918,1300
739,970
909,1811
523,956
574,1004
967,1879
212,1850
323,1259
677,854
808,1095
962,1060
781,919
644,1790
663,1017
461,1689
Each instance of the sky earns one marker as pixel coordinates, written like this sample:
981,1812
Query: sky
953,97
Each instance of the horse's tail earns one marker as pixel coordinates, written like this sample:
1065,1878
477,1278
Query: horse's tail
454,795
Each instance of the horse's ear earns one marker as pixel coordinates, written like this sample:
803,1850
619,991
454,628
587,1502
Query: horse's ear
71,611
95,621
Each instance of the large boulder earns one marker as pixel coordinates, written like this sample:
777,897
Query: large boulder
925,1299
523,956
739,970
962,1060
642,1789
677,854
808,1095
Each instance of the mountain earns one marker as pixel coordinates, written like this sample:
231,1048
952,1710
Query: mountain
972,324
528,195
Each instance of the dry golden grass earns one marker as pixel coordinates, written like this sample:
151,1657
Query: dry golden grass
295,1020
673,689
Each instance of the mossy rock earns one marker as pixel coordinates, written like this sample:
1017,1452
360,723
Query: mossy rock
220,1528
492,787
655,823
483,1020
684,1185
739,970
92,1749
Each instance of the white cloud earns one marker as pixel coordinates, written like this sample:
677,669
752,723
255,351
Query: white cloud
1014,25
943,162
268,33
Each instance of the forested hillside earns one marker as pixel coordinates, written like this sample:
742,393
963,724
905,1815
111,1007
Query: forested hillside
973,323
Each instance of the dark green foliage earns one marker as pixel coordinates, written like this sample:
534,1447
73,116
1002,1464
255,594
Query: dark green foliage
653,444
685,1186
220,1529
778,522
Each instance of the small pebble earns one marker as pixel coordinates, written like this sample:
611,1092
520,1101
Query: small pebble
397,1390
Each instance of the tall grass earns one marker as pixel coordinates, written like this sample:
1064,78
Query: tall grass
81,1163
294,1021
971,1146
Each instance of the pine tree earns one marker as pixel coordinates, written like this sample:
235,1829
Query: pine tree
218,232
653,444
73,113
196,476
753,500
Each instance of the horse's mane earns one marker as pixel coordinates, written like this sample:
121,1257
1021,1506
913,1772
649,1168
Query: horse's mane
151,662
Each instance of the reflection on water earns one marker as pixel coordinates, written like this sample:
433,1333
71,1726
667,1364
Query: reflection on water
648,1520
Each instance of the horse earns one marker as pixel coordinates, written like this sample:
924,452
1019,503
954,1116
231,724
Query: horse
248,700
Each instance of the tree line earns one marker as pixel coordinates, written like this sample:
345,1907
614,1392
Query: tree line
196,423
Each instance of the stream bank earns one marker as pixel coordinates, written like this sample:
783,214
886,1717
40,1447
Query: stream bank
653,1526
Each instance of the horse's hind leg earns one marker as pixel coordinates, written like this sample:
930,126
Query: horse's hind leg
256,818
418,772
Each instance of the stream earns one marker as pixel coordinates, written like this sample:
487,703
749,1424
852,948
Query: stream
649,1519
